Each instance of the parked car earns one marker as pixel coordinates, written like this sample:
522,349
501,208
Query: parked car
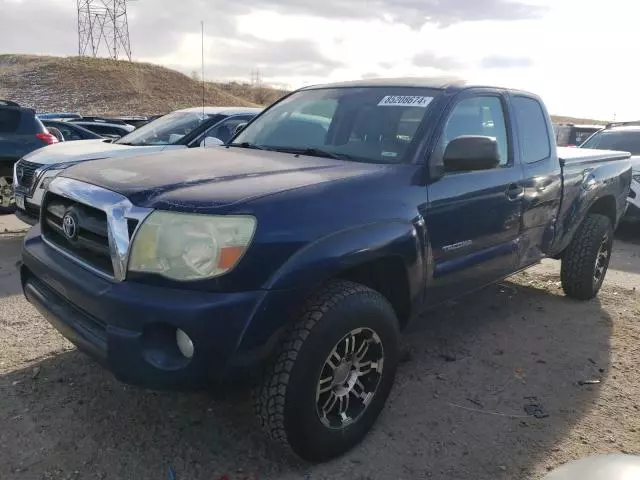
181,129
20,133
135,120
623,136
58,116
570,135
303,251
105,127
72,131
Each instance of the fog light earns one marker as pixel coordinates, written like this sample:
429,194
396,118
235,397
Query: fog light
185,345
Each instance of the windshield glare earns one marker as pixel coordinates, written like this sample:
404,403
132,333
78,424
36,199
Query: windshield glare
371,124
623,141
166,130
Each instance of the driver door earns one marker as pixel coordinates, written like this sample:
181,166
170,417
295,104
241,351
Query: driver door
473,218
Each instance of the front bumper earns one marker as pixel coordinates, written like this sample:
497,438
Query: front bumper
130,327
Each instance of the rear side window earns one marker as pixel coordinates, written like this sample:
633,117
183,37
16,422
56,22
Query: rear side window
532,129
9,120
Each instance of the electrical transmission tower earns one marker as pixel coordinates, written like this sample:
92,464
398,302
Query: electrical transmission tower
103,25
256,78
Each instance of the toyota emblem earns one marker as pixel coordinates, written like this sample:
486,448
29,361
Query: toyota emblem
70,226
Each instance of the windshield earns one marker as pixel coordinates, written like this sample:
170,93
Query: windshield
623,141
166,130
370,124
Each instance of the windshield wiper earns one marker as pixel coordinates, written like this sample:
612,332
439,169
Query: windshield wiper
252,146
315,152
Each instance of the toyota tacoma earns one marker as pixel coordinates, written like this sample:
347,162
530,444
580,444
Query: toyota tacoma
304,246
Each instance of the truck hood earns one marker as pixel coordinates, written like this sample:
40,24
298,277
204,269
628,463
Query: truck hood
635,163
69,152
200,179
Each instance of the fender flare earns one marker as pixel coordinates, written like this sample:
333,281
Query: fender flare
328,256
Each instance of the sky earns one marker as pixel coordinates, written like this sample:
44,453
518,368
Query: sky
577,54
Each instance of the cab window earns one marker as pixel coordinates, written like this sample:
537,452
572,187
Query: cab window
478,116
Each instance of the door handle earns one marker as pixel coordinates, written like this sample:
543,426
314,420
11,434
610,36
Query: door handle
515,191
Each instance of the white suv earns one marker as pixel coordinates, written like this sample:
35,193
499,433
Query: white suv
623,136
188,128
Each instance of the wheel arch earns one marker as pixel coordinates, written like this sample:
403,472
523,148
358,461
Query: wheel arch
387,257
605,206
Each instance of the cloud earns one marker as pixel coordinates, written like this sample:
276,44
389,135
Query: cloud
155,28
499,61
430,59
168,32
413,13
274,59
38,27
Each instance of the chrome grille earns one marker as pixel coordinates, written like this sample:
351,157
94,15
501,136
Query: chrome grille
100,225
91,240
26,173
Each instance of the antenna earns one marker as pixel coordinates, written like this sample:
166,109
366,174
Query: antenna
203,83
103,24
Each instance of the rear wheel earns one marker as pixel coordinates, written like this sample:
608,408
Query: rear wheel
332,374
586,259
7,199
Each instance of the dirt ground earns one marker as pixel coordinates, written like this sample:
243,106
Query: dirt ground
506,383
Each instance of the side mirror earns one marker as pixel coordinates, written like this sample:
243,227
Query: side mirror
469,153
239,128
211,142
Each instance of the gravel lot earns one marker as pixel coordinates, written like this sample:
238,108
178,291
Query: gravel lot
493,387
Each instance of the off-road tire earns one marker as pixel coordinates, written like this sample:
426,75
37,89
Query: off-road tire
285,402
579,259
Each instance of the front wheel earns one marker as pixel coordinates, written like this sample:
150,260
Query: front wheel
332,374
586,259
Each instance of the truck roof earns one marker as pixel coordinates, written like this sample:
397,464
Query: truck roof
438,83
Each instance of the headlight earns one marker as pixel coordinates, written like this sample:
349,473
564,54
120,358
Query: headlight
636,177
49,175
184,246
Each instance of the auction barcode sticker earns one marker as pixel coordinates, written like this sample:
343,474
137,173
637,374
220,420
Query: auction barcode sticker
405,101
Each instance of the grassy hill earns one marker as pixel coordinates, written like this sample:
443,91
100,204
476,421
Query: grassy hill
93,86
98,86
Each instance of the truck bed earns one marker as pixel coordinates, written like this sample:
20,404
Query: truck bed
589,176
586,155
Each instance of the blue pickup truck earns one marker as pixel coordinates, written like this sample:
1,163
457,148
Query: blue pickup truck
305,245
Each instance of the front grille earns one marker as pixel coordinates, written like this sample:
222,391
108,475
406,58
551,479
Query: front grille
90,244
99,228
26,172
